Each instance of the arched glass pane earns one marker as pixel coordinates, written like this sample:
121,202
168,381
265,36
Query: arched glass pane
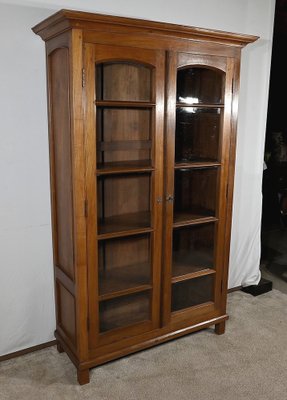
200,85
123,81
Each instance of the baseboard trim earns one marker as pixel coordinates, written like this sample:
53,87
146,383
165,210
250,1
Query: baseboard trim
234,289
28,350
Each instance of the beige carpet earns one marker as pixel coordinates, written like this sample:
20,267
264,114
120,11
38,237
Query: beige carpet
248,362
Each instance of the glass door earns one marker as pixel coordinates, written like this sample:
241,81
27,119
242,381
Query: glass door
197,149
125,263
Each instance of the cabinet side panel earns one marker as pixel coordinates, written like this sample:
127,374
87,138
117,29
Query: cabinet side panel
60,132
66,312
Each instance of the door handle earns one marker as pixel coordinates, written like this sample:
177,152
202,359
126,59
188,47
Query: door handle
169,198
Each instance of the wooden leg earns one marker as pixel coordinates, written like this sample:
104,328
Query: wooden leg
83,376
60,348
220,328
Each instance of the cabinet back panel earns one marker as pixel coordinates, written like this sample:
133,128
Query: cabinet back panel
123,81
118,195
124,128
192,292
124,263
114,252
196,191
124,311
193,249
61,159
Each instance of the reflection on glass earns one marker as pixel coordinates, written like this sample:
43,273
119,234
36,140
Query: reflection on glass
197,134
200,85
123,81
124,311
193,249
192,292
124,263
194,193
123,202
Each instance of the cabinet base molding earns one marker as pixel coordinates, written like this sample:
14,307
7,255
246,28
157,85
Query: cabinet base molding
159,336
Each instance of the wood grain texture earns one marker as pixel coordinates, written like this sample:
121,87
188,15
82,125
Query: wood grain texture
59,72
91,189
142,124
66,312
87,20
79,195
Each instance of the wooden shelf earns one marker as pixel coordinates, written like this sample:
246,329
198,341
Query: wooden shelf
189,218
124,167
183,272
199,105
124,292
124,280
124,104
197,164
125,225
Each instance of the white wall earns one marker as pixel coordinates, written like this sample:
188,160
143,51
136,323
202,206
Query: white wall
26,284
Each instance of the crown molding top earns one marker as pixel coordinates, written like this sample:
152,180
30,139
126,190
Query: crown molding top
67,19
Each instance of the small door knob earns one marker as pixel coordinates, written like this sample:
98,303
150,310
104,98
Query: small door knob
169,198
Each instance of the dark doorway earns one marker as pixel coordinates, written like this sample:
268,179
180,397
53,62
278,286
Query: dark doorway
274,188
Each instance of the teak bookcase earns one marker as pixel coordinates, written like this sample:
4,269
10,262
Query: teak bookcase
142,126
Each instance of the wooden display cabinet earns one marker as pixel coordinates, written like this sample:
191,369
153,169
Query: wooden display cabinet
142,127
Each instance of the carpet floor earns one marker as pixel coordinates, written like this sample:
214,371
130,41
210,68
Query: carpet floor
248,362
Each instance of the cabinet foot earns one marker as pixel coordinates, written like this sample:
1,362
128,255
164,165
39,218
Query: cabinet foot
220,328
83,376
60,348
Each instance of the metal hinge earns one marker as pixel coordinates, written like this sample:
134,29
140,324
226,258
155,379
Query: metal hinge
86,208
83,77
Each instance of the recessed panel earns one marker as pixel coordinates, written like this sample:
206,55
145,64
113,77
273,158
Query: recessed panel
66,311
124,263
62,163
195,193
200,85
123,311
192,292
123,81
197,134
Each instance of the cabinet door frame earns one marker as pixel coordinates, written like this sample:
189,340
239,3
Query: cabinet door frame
96,53
175,61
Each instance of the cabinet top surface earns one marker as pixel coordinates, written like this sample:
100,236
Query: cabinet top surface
67,19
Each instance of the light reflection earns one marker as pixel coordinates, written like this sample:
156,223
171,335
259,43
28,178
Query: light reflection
190,110
189,100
